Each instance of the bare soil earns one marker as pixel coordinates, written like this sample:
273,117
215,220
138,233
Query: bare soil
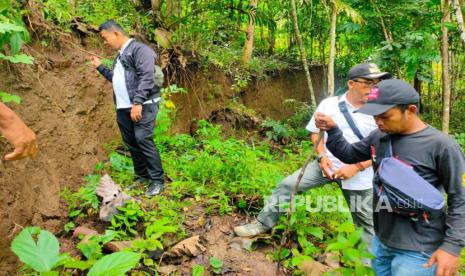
71,110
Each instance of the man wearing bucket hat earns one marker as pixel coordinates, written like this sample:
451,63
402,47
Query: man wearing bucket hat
406,244
355,179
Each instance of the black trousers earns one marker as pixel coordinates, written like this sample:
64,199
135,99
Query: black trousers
138,137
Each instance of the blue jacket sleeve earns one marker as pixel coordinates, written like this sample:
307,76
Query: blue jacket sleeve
348,153
107,73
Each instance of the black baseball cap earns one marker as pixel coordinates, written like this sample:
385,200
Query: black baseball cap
387,94
367,71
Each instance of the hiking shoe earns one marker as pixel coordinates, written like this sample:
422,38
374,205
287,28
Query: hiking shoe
252,229
154,188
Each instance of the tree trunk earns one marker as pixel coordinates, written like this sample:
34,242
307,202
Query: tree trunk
248,46
302,52
239,16
458,15
156,10
445,68
173,8
417,86
332,48
271,32
387,36
156,5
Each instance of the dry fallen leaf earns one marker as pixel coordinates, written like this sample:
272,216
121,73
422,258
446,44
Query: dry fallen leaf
167,269
112,197
189,247
313,268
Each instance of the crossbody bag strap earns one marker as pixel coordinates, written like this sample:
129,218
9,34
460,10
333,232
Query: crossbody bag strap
343,108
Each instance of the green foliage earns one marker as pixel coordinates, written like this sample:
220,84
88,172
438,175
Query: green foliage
96,12
84,199
6,97
460,138
275,130
12,30
197,270
350,248
116,264
92,248
216,264
37,248
58,11
127,218
12,34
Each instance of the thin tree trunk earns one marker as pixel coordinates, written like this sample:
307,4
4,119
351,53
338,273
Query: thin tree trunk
173,8
332,48
239,16
387,36
271,32
445,68
417,85
156,5
248,46
303,55
458,15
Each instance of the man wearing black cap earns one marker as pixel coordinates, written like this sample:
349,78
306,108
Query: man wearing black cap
355,179
404,244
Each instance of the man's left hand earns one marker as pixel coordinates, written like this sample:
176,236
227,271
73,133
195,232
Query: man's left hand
136,112
345,172
447,264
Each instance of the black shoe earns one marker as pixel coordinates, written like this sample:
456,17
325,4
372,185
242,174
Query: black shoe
155,188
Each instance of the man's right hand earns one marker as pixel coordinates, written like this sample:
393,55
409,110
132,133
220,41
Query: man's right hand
327,167
324,122
95,61
18,134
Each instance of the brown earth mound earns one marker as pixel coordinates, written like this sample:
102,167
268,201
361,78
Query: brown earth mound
71,110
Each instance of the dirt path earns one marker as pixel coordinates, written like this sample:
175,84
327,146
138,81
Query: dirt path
220,243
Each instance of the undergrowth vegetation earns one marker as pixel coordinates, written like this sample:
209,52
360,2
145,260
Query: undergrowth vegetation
222,176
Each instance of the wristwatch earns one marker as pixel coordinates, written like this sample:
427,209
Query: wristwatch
321,155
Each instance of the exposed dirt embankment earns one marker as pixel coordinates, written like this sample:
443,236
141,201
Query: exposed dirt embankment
210,90
71,109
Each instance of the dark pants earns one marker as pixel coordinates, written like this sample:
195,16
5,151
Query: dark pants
138,137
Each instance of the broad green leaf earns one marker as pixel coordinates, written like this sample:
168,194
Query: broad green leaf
351,254
315,231
355,236
15,43
335,246
78,264
49,273
21,58
215,262
115,264
10,27
6,98
197,270
41,256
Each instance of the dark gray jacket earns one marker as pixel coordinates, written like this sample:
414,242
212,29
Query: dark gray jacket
138,61
435,157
